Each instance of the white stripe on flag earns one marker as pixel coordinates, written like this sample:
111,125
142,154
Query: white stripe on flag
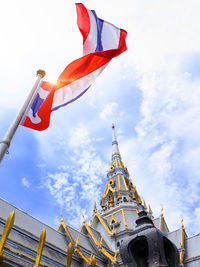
110,36
73,90
90,43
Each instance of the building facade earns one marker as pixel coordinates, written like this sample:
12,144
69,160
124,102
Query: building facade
25,241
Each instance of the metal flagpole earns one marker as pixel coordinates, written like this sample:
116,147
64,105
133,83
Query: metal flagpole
5,143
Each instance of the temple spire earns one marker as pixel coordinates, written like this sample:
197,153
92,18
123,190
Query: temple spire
115,148
119,187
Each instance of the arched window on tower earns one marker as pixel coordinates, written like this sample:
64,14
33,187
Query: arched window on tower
139,250
125,199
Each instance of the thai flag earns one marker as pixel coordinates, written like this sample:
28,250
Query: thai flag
101,42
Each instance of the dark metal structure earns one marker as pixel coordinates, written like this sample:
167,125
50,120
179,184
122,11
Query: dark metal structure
147,246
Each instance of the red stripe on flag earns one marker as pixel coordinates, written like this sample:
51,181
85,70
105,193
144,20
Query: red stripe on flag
89,63
122,42
79,68
44,113
83,20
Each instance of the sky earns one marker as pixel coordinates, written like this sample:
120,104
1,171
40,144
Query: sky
151,93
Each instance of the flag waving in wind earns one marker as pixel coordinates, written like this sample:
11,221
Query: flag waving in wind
101,42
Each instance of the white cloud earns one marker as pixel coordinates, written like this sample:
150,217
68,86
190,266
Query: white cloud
164,153
76,188
25,182
108,111
167,143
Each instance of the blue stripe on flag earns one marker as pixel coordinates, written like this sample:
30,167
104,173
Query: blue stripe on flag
99,23
36,104
53,109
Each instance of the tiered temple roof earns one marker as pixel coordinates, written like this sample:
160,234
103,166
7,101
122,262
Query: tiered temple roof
97,242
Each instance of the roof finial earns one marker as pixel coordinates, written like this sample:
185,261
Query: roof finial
115,147
113,133
161,219
145,205
61,215
83,217
182,243
150,210
95,207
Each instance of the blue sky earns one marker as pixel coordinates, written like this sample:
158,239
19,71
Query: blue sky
151,92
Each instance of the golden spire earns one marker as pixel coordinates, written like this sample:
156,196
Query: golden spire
93,261
145,206
69,255
161,220
83,217
133,194
102,203
182,233
95,207
6,231
119,184
111,200
40,248
61,215
182,242
150,210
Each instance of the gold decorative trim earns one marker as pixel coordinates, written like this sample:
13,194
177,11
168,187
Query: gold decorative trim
64,225
124,219
161,220
83,256
119,182
139,200
95,207
91,234
182,243
6,231
79,234
191,258
104,192
40,248
102,203
116,163
124,182
110,189
113,219
145,205
93,261
150,210
119,185
98,244
111,258
133,194
120,211
120,164
93,217
96,214
69,255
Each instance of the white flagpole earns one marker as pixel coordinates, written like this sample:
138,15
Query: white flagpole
5,143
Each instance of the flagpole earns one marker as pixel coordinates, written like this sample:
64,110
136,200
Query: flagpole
5,143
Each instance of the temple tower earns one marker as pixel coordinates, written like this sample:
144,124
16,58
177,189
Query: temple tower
120,202
119,187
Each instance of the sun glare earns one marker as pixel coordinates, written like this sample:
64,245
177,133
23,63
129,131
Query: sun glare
51,78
